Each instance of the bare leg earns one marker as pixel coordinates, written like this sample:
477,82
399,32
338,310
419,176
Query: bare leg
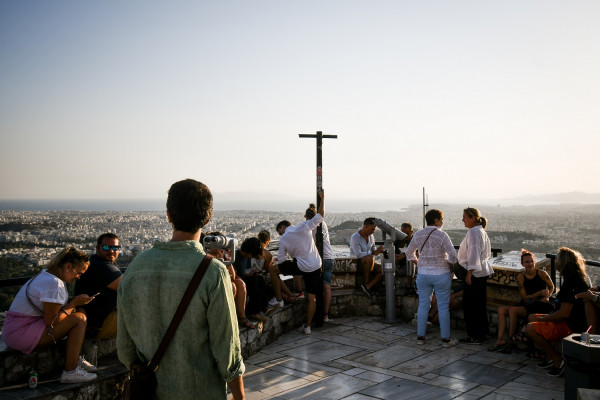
312,307
240,297
502,311
298,283
73,327
275,281
367,263
326,298
544,345
376,279
514,313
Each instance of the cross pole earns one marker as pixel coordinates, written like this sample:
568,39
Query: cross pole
319,236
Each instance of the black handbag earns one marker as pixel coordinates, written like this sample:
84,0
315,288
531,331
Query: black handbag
141,383
459,271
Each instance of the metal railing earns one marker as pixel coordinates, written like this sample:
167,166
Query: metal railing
552,258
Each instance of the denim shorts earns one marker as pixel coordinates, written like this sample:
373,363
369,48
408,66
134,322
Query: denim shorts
327,270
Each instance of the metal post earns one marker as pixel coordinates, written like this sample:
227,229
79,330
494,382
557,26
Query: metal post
319,236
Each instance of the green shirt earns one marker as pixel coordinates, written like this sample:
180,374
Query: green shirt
205,351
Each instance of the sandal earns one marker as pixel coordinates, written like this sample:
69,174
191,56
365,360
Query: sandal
520,337
244,321
497,347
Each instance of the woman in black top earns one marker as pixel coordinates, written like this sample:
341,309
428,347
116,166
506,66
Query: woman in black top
535,287
569,318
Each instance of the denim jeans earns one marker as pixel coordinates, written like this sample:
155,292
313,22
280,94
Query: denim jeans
425,286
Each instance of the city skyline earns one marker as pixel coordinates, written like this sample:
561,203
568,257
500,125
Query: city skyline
473,101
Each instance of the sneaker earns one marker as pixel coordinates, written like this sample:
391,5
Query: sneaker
420,339
299,295
85,364
469,340
326,318
274,303
449,342
304,329
556,371
545,364
365,290
76,376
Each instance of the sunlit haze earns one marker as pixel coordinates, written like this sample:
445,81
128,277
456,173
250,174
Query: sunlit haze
472,100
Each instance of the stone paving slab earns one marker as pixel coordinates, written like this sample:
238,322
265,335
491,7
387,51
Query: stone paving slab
363,359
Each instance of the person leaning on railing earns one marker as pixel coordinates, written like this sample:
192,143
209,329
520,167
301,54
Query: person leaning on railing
41,314
591,300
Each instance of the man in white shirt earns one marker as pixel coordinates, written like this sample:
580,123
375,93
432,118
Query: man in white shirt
297,242
362,246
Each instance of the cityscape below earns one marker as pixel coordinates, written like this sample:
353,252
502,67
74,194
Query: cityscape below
28,239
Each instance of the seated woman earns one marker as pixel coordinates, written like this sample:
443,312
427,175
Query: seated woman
544,329
237,284
41,314
267,260
535,287
258,295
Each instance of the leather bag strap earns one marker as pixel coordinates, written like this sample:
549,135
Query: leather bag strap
185,301
422,247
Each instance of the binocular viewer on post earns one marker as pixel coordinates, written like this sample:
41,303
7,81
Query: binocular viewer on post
221,242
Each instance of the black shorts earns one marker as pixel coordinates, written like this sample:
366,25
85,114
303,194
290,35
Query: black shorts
311,279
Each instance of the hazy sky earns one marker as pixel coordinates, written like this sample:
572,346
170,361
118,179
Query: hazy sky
471,99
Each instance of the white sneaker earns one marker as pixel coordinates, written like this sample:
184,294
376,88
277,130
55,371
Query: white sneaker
85,364
76,376
304,329
420,340
326,318
450,343
275,303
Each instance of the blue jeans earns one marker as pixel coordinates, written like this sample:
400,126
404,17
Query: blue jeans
425,286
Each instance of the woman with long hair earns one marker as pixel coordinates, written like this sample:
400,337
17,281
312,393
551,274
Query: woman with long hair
41,314
473,254
544,329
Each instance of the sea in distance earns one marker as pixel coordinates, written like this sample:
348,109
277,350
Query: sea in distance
227,203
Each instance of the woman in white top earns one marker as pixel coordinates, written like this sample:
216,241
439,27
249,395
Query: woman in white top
473,254
435,254
41,314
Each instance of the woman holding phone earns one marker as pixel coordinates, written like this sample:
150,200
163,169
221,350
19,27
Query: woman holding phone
41,314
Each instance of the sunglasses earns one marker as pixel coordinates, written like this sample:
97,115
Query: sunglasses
106,247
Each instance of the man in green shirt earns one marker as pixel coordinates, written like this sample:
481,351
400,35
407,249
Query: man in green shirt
205,352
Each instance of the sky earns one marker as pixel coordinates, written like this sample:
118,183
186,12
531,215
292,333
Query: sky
469,99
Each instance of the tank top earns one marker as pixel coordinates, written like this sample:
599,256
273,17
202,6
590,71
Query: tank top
534,284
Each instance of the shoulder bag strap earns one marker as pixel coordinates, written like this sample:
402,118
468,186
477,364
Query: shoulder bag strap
185,301
422,247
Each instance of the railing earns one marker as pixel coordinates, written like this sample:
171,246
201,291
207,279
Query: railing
552,258
494,251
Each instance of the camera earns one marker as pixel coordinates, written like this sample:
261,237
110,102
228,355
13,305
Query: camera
226,243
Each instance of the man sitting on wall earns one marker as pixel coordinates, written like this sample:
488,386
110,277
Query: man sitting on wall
102,280
362,246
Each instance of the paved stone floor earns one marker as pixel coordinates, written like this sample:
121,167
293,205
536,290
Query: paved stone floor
365,358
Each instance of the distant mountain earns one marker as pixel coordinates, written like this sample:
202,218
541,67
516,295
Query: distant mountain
557,198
